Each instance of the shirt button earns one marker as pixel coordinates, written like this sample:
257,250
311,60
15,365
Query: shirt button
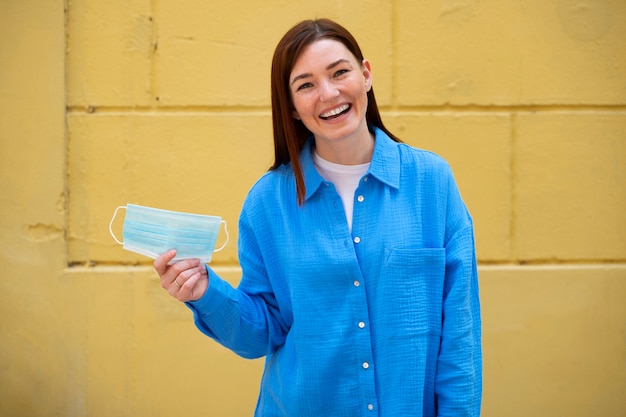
360,198
370,407
365,179
357,240
361,324
356,283
366,365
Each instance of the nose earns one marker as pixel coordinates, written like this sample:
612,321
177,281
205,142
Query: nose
328,91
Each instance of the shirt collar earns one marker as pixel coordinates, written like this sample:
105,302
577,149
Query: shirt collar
385,165
312,179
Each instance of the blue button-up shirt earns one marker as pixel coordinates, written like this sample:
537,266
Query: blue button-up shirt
381,321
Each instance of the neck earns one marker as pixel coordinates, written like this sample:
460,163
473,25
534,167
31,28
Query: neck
349,151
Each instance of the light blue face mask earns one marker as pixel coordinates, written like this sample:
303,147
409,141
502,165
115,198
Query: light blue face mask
152,232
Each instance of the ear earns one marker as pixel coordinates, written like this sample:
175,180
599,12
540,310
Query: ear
295,115
367,74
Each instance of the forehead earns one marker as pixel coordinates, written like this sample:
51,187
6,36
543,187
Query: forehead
320,53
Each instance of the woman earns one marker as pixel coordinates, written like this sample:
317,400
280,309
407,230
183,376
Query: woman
359,273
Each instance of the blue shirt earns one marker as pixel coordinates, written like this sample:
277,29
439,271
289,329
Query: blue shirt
383,321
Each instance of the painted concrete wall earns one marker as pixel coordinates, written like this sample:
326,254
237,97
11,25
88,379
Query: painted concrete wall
164,103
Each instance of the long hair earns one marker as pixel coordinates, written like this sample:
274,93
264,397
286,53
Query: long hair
290,134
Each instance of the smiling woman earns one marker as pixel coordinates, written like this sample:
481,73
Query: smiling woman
329,93
353,319
290,134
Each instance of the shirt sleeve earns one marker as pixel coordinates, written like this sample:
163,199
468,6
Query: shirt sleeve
248,322
458,385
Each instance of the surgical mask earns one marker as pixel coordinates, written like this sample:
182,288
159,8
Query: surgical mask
152,232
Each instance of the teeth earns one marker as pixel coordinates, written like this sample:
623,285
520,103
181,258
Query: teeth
335,112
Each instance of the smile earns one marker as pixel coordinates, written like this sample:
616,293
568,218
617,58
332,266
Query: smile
335,112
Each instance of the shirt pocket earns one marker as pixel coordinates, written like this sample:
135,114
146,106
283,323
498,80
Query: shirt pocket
411,258
412,285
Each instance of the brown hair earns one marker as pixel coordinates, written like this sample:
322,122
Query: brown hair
290,135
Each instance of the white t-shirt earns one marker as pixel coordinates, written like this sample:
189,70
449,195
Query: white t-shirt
345,178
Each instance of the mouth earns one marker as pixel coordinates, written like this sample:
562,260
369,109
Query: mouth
336,112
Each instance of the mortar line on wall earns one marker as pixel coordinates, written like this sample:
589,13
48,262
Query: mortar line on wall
391,109
394,64
165,110
109,266
154,93
66,139
556,263
511,108
513,138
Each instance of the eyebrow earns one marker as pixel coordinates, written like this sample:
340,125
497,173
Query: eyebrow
330,66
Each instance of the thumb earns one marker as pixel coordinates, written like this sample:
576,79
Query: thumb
160,263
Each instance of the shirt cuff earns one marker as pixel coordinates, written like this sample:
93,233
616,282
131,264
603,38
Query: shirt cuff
215,295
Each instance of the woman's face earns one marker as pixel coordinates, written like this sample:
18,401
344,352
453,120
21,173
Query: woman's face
329,91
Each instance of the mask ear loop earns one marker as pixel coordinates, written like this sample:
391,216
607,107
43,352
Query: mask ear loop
111,224
227,237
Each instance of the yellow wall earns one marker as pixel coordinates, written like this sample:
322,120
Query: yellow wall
166,103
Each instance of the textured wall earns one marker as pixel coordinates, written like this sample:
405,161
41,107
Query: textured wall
164,103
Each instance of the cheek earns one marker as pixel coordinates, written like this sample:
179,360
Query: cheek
301,106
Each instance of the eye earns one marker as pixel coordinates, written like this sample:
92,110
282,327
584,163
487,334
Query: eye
304,86
340,72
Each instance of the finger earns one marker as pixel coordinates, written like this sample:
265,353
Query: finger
172,271
160,263
194,287
182,269
190,277
178,273
181,291
182,280
173,288
191,268
175,285
184,292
